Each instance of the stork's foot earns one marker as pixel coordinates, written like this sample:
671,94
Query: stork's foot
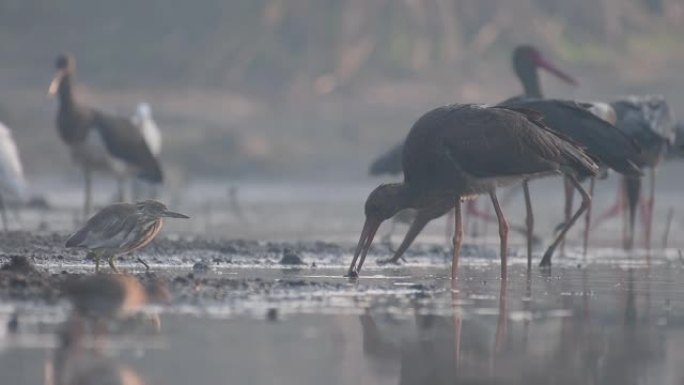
546,261
388,261
352,274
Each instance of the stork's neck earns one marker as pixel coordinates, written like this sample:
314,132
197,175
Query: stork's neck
529,78
66,94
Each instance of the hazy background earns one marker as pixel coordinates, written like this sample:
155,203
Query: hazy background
312,89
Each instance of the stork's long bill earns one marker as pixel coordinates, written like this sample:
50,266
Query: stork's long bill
545,64
370,227
54,84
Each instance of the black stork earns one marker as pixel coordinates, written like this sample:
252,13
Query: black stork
602,141
455,152
98,141
526,62
649,121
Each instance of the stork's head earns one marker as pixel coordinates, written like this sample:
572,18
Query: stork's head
65,65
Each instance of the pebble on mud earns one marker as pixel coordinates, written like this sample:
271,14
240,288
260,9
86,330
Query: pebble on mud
290,258
18,264
200,267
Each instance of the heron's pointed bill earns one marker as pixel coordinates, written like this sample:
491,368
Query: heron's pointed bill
365,241
54,84
545,64
171,214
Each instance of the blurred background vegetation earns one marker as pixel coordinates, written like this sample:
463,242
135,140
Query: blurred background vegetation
313,88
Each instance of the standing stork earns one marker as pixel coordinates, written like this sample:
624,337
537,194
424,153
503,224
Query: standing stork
12,181
98,141
458,151
650,122
588,125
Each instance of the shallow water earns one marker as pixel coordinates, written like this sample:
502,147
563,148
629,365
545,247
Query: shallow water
605,323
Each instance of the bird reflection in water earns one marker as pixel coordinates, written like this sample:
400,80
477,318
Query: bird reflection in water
467,348
104,304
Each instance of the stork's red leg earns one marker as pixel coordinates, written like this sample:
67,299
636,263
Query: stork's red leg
647,212
632,188
546,260
529,223
417,226
458,238
503,233
587,218
614,210
569,197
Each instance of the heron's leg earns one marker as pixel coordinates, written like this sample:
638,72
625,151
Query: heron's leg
546,260
529,223
569,197
458,237
88,201
503,233
4,213
587,218
417,226
110,259
632,188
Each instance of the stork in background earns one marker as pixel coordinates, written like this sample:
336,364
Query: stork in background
12,182
650,122
150,131
98,141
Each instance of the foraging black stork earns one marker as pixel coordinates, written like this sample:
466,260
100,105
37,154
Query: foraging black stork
603,142
526,62
650,122
100,142
458,151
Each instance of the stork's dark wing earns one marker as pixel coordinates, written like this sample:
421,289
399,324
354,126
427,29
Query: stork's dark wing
389,162
602,141
489,142
125,141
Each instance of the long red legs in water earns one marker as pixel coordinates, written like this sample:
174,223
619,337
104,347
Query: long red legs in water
503,233
569,200
647,211
586,199
529,222
587,218
458,237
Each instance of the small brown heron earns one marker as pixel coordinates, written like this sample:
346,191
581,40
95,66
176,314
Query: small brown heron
121,228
